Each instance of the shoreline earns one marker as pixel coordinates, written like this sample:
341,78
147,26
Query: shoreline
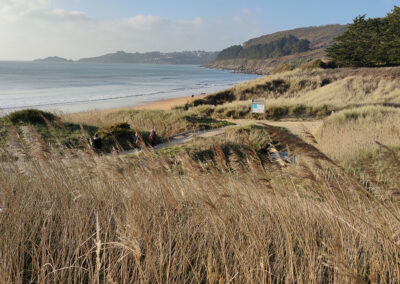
128,85
166,104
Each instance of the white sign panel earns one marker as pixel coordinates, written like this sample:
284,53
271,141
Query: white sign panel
258,106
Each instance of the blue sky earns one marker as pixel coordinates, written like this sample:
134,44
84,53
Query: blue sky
80,28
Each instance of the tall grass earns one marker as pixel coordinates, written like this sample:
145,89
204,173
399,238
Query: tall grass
81,217
165,122
338,88
345,135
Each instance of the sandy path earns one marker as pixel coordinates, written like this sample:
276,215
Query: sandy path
295,127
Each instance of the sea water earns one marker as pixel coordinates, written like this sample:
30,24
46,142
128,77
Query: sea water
72,87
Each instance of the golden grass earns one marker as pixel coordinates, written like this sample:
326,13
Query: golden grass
74,216
80,217
165,122
338,87
346,134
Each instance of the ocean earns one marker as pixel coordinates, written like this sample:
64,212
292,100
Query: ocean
73,87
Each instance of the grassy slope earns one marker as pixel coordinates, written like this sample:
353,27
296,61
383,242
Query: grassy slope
306,93
320,36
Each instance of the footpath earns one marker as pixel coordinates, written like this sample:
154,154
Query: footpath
298,128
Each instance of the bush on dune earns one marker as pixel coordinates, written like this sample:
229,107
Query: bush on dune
32,116
120,136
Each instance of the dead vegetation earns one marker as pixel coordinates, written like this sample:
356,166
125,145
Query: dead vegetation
80,217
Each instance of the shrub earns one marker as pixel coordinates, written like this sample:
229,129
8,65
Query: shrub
119,136
32,116
216,99
276,112
297,110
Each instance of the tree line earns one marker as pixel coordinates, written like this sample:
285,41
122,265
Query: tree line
369,42
284,46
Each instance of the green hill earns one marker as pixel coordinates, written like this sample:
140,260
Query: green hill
319,37
263,54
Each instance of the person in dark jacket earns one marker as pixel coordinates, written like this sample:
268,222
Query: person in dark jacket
153,138
97,143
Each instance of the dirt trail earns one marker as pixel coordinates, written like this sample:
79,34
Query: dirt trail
296,127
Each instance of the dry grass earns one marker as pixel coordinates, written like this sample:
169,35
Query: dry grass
346,134
273,111
338,88
165,122
80,217
74,216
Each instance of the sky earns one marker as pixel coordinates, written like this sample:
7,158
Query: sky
74,29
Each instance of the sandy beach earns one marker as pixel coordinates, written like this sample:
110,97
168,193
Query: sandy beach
101,116
168,103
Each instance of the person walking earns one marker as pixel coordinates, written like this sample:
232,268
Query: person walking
97,143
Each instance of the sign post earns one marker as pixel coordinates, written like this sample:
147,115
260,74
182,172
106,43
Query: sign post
258,106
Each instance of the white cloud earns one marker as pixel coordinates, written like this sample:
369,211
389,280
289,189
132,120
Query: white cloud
143,22
68,15
29,29
12,9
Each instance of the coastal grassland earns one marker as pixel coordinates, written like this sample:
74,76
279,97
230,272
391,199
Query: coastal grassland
345,135
165,122
79,217
242,109
219,209
330,89
116,134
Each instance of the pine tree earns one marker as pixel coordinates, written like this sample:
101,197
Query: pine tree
369,42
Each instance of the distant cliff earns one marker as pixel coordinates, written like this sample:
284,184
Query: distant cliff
263,54
54,59
185,57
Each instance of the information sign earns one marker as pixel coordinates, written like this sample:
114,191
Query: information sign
258,106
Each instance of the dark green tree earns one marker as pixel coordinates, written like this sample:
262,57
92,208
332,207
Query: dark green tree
369,42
